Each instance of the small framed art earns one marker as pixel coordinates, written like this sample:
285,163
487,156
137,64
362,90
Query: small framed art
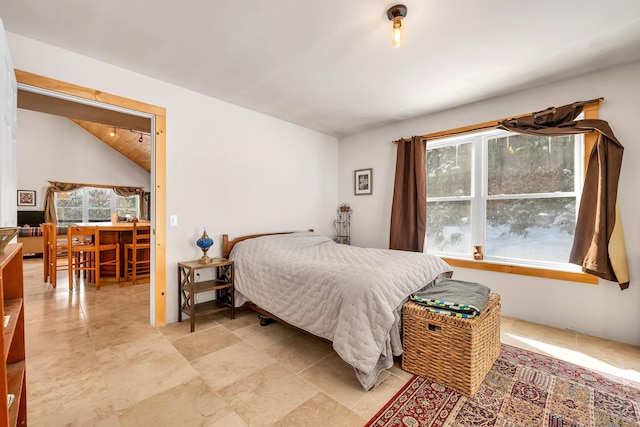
363,181
26,198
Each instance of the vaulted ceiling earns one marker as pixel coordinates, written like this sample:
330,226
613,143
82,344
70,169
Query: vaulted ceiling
133,145
131,133
326,64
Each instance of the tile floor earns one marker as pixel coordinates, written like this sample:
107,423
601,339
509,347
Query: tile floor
93,360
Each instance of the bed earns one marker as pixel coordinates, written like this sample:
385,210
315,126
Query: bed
347,295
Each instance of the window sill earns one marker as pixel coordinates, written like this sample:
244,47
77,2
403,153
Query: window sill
525,271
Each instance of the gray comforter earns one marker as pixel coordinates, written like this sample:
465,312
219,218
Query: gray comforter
349,295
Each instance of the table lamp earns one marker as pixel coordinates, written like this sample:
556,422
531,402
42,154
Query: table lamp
204,243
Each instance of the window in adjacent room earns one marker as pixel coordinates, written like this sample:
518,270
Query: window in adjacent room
90,204
514,195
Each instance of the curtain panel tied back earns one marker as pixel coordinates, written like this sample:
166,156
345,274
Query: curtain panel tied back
598,244
50,214
49,200
409,206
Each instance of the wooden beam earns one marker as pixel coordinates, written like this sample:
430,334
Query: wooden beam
74,110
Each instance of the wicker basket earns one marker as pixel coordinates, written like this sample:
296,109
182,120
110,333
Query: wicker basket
453,352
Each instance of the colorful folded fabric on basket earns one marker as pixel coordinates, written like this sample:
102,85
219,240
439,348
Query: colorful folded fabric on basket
454,298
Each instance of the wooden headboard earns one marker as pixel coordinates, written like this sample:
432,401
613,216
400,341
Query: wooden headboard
228,245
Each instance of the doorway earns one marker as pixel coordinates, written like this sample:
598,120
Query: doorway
80,97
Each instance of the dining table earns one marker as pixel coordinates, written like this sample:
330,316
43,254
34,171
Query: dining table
115,232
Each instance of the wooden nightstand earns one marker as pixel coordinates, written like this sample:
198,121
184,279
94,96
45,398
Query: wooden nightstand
190,287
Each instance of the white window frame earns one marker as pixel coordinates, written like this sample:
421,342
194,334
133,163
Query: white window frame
85,201
479,196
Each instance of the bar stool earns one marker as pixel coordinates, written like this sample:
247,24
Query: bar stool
137,254
54,249
84,249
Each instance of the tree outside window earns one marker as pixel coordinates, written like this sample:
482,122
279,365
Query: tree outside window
515,195
90,204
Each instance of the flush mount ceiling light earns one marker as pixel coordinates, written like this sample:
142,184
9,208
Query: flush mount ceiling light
396,14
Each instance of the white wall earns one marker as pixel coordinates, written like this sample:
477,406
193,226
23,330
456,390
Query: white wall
232,170
53,148
601,310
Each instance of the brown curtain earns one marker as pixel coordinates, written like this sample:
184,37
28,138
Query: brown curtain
59,187
409,207
49,199
127,191
133,191
597,247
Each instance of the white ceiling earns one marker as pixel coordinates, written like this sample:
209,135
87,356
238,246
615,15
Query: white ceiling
327,64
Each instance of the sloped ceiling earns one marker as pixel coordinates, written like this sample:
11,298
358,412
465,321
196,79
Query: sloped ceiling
99,122
134,146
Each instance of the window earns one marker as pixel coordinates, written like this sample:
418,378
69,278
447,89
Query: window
514,195
91,204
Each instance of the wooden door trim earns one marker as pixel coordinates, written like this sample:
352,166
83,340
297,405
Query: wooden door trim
26,78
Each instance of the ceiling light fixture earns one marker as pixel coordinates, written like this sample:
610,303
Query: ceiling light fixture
113,132
140,140
396,14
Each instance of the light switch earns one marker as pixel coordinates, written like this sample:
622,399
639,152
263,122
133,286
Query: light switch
173,220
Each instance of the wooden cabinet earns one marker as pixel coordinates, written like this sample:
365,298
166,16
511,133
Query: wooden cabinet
190,286
12,375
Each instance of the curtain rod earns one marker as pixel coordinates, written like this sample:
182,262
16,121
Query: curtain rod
51,184
494,123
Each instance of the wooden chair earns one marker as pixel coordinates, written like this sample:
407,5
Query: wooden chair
84,253
54,249
45,251
137,254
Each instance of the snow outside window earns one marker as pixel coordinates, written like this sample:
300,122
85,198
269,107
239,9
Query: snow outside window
514,195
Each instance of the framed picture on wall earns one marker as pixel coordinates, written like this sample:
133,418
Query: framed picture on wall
26,198
363,181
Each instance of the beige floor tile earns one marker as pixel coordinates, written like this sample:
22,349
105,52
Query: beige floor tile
543,333
299,351
262,337
122,356
108,333
56,322
176,330
397,370
506,323
85,389
201,343
267,395
377,397
39,342
79,413
230,420
60,364
92,357
337,379
243,317
321,410
618,358
135,372
186,405
231,364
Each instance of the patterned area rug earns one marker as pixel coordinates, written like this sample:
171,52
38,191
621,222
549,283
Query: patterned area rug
522,389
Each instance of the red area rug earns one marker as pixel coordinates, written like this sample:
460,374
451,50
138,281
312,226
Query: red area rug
522,389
